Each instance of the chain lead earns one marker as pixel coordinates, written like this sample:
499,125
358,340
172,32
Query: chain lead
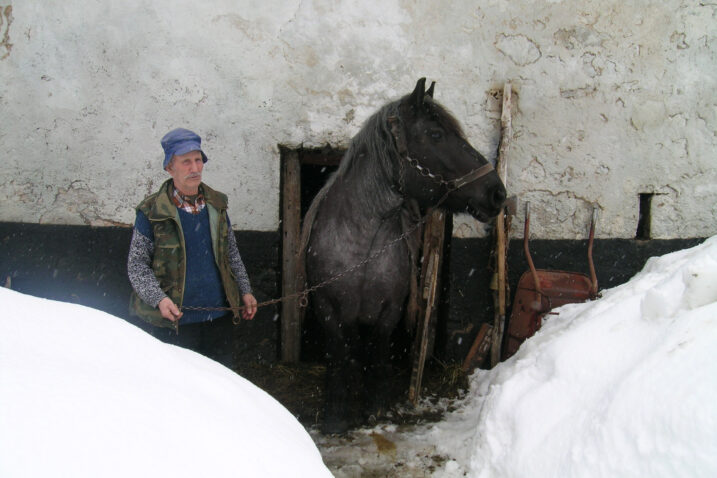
303,296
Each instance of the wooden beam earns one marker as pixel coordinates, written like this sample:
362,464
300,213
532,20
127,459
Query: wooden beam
433,239
506,127
480,349
291,230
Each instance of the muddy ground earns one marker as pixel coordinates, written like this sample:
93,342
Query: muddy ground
300,388
385,447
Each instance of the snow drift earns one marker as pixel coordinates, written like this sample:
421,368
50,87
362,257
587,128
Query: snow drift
83,393
622,386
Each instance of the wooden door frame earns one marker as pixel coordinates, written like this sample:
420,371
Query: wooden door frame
291,281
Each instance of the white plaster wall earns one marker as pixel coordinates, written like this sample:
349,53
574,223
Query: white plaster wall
613,99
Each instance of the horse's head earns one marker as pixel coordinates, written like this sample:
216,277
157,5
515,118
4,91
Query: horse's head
436,159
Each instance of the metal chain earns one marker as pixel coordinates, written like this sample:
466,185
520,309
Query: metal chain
303,296
450,184
425,172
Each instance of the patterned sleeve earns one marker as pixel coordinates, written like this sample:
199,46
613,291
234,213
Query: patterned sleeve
139,269
237,265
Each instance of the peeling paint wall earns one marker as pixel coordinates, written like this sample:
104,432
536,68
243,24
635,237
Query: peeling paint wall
5,22
613,99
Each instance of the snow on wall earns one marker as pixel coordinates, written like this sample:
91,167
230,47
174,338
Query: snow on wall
612,100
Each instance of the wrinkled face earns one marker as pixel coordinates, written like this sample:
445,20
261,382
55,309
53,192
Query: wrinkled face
186,171
436,142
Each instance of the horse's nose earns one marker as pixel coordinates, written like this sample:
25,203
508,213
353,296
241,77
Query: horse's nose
498,196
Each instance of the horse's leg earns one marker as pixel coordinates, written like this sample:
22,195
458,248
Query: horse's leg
341,368
380,374
387,287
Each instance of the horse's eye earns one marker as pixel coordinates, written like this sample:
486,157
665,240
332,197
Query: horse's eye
436,133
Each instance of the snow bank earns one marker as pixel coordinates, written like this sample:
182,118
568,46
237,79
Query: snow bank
83,393
622,386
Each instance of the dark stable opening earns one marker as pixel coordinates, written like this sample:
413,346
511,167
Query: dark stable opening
644,220
317,165
313,178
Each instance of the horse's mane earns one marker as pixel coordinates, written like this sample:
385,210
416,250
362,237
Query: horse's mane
376,148
375,141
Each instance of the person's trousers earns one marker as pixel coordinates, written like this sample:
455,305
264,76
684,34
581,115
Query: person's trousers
216,339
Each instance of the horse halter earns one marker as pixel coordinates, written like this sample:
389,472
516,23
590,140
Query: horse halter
450,184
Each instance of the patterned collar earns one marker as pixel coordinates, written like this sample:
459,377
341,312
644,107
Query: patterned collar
190,204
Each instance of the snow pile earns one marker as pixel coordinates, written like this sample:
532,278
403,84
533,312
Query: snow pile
623,386
83,393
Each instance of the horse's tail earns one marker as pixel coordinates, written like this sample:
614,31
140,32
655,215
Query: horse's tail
306,227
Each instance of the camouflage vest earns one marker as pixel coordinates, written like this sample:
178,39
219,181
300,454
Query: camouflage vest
169,262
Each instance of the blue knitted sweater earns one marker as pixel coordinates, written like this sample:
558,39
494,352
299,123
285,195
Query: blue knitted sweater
203,287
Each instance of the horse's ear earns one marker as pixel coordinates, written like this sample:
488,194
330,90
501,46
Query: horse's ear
429,91
416,99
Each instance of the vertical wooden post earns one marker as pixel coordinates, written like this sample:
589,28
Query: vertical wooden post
428,291
499,320
501,233
291,229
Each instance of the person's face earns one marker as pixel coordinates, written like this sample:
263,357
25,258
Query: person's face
186,171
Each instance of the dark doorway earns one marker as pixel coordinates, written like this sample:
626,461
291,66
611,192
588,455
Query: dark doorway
644,222
316,169
304,172
313,177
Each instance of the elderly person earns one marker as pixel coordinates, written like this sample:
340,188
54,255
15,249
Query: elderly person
184,263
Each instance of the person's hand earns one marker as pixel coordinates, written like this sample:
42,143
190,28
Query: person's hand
169,310
249,309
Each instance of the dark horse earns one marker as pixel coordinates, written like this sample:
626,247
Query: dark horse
359,235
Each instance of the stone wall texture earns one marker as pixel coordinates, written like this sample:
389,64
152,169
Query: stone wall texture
612,99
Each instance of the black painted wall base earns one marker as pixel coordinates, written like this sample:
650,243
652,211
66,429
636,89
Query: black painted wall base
87,265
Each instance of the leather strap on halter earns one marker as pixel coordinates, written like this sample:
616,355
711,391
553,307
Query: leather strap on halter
472,176
451,184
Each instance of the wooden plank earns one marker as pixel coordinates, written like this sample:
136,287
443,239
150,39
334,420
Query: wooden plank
506,127
437,235
430,279
499,317
480,348
414,389
291,229
501,233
